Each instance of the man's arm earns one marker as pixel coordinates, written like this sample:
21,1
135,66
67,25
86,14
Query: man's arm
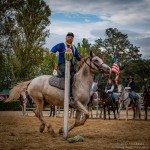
51,53
112,89
55,49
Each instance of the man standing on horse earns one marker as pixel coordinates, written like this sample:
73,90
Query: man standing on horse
130,83
61,49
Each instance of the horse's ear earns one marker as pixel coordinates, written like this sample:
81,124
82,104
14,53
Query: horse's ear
97,53
91,54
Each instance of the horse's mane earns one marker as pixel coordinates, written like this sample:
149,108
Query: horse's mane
81,62
16,90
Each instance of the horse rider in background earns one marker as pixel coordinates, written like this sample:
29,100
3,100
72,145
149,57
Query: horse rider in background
109,88
130,83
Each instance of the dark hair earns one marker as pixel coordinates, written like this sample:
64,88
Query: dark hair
70,34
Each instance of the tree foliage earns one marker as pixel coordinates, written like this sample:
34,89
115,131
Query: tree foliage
7,9
22,36
129,56
28,37
118,43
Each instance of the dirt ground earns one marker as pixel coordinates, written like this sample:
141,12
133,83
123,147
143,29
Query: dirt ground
22,133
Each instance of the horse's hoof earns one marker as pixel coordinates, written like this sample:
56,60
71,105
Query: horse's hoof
42,127
52,132
61,131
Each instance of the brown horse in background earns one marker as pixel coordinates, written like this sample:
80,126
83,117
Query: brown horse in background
146,101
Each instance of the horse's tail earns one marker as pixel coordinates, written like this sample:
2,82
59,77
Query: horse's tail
16,91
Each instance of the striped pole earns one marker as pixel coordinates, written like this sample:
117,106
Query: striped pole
68,57
66,100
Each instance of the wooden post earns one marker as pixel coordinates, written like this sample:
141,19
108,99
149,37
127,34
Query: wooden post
66,98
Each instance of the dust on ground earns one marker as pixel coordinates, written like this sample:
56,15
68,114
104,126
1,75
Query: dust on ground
19,132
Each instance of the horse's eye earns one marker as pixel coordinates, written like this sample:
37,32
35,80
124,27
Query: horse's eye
96,61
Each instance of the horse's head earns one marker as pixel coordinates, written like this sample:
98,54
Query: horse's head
97,65
124,92
120,88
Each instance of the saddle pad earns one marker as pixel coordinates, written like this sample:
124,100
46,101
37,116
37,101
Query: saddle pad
57,82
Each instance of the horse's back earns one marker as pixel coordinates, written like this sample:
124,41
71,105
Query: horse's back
38,83
39,88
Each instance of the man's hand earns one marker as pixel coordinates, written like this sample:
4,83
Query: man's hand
107,91
50,53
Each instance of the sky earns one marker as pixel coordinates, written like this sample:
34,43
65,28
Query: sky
90,18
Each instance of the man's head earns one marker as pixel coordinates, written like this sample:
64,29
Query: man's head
130,78
109,81
69,37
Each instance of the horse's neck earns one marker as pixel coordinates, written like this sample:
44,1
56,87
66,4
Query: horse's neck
84,77
125,94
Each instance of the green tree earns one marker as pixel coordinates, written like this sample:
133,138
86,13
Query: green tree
48,64
7,9
118,43
28,37
140,69
84,47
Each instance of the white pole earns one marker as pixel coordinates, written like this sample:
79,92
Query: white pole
66,98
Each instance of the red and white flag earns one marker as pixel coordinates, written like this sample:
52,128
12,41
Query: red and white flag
115,68
103,59
55,70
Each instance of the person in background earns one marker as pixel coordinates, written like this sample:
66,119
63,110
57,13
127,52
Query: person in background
109,88
130,83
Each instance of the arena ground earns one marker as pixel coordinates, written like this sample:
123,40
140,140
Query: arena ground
19,132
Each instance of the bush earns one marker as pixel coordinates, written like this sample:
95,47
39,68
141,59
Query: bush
12,106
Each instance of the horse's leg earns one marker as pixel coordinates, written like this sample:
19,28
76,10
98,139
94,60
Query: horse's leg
145,112
22,109
117,107
53,111
78,121
134,111
97,107
80,109
50,114
114,111
39,114
109,112
91,112
120,107
139,110
100,109
70,114
104,112
126,112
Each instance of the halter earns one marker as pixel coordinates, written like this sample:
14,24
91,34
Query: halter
93,63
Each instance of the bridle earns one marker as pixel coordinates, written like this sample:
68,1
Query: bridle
94,64
122,94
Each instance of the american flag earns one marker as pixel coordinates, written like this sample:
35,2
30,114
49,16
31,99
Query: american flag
115,68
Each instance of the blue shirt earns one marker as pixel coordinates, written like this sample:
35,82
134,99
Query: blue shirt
61,48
